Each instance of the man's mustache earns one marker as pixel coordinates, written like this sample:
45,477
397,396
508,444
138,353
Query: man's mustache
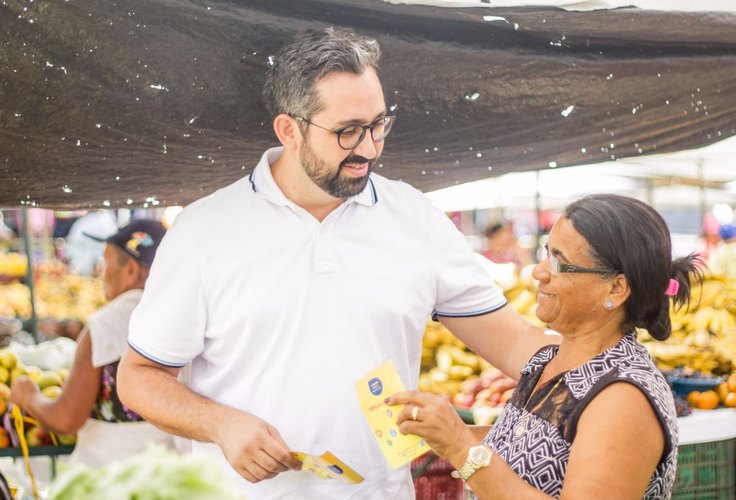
353,159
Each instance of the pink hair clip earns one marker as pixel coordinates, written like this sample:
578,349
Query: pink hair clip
672,288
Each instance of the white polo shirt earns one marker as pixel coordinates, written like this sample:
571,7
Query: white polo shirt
280,314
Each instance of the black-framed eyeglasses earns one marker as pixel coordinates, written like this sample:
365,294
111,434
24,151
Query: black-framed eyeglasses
558,267
351,136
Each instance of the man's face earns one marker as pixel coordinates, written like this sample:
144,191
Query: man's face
348,100
116,274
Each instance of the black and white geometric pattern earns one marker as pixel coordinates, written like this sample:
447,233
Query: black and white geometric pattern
540,454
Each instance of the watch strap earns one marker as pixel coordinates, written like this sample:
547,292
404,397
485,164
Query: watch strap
470,467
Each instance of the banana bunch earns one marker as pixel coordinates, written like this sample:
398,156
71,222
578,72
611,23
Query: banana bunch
13,265
62,297
69,296
703,334
15,301
446,362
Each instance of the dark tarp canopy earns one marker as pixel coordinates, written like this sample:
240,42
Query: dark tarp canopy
115,103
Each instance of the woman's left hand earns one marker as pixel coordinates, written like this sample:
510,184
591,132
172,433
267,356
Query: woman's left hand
433,418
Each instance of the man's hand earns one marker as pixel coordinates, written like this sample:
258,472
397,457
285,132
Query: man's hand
23,390
254,448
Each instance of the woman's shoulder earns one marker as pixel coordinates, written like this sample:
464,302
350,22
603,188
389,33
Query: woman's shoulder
540,358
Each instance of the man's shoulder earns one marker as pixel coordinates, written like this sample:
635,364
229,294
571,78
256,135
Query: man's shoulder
397,189
125,302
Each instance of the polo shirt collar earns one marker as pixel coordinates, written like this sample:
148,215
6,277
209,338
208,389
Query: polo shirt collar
263,183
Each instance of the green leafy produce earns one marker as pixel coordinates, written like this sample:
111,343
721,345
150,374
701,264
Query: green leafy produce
157,474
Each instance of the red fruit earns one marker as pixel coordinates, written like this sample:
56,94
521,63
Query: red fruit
506,396
463,400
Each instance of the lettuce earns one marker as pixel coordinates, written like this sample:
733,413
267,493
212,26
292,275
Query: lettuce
156,474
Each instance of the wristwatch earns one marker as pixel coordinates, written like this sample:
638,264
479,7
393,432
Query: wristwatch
478,457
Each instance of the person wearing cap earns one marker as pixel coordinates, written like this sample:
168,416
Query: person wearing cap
723,263
89,404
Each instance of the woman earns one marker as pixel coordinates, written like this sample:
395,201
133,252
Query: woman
592,417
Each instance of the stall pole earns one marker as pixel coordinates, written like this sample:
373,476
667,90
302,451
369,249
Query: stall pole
701,181
538,212
29,273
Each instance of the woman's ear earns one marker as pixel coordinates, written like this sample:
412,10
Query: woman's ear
620,290
287,131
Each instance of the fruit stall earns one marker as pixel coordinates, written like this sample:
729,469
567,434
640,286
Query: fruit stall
62,301
699,361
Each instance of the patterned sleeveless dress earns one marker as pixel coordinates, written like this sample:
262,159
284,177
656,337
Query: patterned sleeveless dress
540,454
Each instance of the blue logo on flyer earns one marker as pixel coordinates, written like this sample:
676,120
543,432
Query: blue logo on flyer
376,386
336,469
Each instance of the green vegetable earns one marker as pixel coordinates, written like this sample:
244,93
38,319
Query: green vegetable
157,474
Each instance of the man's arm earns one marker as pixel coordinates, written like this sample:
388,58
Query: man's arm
253,447
70,410
503,338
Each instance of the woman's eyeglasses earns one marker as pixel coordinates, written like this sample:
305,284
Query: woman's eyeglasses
558,267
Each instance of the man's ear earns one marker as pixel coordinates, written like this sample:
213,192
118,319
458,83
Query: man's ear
132,272
287,131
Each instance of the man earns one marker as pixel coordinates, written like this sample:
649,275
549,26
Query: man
88,404
288,286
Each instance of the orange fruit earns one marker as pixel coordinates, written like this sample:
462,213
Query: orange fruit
708,400
731,381
730,400
693,399
722,391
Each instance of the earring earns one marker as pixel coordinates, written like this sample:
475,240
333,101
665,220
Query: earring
608,304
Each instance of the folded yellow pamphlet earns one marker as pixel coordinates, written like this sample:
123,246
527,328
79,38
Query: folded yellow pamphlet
382,382
327,466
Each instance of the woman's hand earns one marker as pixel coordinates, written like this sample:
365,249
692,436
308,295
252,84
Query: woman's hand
433,418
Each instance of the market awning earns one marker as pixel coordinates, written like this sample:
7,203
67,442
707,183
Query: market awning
113,104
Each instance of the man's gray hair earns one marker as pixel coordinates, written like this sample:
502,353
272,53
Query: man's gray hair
290,85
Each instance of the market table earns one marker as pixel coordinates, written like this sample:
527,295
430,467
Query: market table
707,425
40,451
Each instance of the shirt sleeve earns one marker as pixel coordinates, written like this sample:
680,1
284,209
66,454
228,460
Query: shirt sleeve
464,286
108,328
168,326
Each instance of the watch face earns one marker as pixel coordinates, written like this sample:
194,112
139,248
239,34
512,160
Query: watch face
480,455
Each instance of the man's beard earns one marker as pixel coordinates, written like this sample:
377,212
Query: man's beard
333,183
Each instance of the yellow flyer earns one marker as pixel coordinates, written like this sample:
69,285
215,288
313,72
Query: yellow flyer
327,466
373,389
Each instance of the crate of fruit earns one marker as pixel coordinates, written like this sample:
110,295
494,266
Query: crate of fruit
706,471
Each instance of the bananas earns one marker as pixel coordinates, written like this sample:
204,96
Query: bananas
703,336
60,297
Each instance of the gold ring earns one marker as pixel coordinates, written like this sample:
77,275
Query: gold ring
414,413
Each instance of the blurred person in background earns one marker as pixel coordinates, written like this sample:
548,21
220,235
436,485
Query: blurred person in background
723,261
6,234
592,417
89,404
82,253
709,240
503,247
